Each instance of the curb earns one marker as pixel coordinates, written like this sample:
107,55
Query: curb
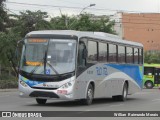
9,90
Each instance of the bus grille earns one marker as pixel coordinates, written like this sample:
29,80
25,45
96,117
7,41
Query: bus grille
44,88
43,94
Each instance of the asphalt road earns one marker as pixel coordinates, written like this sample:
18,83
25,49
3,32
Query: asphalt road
146,100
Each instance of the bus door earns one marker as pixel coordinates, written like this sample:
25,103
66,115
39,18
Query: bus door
157,76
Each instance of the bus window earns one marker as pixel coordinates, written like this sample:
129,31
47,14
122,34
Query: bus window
148,71
102,52
129,55
136,55
121,54
112,53
92,51
140,56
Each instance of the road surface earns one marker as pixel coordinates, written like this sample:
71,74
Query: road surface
146,100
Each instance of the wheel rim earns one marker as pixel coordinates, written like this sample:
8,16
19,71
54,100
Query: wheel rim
125,92
90,94
149,84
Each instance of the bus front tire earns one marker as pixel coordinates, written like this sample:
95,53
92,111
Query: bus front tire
149,85
89,96
41,101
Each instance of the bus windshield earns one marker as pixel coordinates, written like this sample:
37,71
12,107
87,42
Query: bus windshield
48,56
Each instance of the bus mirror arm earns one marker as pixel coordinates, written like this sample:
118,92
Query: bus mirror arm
20,41
17,51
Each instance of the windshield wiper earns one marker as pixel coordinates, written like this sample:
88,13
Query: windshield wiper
53,68
36,67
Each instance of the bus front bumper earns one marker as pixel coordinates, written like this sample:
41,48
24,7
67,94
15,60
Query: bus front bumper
44,94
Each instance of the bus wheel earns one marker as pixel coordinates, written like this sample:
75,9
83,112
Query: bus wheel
41,101
149,85
123,97
89,97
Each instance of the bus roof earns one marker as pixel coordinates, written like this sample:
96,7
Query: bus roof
151,65
99,35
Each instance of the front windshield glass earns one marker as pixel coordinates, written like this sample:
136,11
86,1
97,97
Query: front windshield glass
48,56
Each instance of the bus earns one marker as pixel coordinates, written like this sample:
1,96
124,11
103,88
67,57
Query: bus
151,75
80,66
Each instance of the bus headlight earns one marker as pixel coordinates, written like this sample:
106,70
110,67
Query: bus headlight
67,85
23,83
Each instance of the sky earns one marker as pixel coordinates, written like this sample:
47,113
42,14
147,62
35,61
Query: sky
102,7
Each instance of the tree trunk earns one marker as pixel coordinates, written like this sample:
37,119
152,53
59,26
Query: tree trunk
0,69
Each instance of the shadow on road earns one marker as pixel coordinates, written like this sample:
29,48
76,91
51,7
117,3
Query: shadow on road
78,103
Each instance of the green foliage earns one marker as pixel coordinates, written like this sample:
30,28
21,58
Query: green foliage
7,46
88,23
8,83
3,17
152,57
30,21
85,22
59,23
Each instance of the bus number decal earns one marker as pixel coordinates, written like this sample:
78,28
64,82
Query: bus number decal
101,70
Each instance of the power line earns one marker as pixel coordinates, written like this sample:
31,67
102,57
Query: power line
29,4
10,11
70,2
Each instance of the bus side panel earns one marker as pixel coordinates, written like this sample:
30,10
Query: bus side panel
131,73
109,80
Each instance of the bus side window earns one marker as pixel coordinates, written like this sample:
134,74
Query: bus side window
92,51
129,55
136,55
140,56
102,52
112,53
121,54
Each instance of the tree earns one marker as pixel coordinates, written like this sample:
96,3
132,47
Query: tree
60,23
84,22
29,21
3,17
7,48
19,26
151,57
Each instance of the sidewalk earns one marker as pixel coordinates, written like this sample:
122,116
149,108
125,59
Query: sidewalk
9,90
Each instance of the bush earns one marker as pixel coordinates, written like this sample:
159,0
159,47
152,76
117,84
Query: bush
8,83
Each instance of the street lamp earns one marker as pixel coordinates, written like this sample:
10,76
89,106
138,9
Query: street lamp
87,7
91,5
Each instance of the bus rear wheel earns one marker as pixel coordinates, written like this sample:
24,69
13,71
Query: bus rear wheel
122,97
89,97
149,85
41,101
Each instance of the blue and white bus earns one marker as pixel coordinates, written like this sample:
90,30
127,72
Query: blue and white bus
76,65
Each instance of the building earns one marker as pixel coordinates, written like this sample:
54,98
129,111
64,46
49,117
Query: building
140,27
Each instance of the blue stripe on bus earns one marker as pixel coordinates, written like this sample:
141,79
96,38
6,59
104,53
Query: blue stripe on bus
131,70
